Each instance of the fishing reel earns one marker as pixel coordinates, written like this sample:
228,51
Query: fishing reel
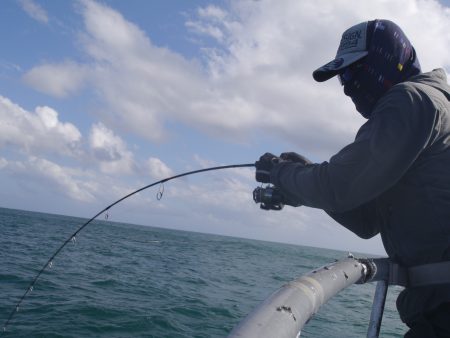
270,198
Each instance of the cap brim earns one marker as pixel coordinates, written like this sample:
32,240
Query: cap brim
334,67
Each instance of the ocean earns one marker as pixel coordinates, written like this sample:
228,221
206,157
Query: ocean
124,280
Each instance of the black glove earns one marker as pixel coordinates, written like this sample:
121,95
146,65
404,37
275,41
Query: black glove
263,167
294,157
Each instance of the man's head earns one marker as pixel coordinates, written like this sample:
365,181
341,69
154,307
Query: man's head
372,57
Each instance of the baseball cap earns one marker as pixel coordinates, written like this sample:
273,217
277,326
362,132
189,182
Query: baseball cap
353,47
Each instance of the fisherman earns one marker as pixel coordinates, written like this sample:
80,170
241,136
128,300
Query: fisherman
394,179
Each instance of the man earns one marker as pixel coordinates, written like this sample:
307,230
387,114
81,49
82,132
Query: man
394,179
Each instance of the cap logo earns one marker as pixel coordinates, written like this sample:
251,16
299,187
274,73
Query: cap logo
350,40
353,40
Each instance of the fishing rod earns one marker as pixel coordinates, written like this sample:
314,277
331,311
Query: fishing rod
73,236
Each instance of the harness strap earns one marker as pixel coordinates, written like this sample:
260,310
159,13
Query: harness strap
429,274
415,276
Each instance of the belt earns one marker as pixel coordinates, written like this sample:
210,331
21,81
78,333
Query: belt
414,276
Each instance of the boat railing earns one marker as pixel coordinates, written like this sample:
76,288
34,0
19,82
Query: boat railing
288,309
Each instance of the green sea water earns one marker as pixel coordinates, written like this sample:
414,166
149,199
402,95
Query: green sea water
123,280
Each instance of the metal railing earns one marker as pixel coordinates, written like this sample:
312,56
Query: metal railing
286,311
289,308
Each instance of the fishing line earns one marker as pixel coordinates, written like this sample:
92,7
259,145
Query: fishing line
72,237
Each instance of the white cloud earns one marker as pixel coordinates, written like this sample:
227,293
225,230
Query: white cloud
142,84
212,12
3,162
210,30
64,178
34,10
157,168
40,131
254,78
269,52
110,150
9,67
204,163
114,157
214,16
258,77
38,177
67,181
57,79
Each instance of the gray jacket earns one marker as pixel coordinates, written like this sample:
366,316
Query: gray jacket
394,179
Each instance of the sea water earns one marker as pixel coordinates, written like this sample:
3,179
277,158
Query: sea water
123,280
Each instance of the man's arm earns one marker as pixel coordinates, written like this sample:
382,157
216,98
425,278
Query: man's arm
362,220
385,148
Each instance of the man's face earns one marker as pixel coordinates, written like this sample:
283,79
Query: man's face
352,78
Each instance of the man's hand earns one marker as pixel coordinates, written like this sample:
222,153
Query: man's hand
263,167
294,157
267,161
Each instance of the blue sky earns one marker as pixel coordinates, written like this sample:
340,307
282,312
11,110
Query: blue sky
99,98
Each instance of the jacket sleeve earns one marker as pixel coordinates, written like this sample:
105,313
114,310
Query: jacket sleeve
384,149
362,220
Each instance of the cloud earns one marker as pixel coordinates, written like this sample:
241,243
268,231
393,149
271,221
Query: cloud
34,10
157,168
250,81
267,53
9,67
57,79
111,151
254,79
64,178
66,181
38,132
215,16
142,85
41,134
114,157
3,162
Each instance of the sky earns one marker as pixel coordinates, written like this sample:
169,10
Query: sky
100,98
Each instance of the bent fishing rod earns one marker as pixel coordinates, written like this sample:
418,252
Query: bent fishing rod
73,236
